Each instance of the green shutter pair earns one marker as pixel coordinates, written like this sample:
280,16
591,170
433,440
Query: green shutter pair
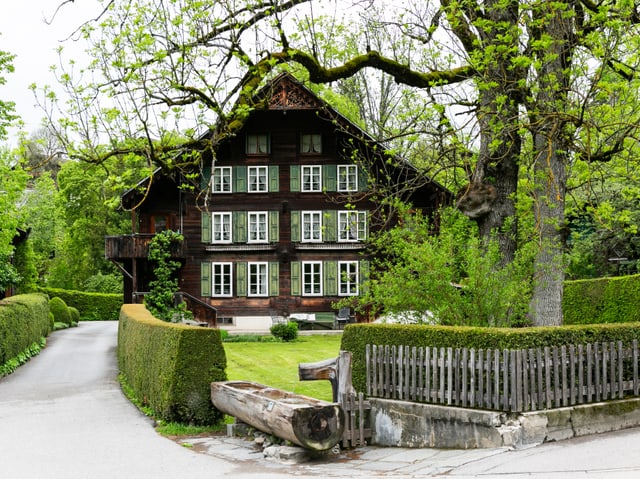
239,226
330,277
241,279
240,179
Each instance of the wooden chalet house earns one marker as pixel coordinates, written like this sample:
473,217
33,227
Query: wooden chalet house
287,216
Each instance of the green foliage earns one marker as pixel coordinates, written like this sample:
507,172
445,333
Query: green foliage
75,315
24,262
60,311
603,300
104,283
452,278
161,299
170,367
357,336
285,331
24,320
92,306
14,363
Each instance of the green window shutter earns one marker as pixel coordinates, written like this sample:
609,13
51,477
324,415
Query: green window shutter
330,226
363,179
274,178
241,279
363,225
239,233
274,276
364,268
330,177
274,226
206,227
205,279
239,179
330,269
205,179
296,233
294,178
296,285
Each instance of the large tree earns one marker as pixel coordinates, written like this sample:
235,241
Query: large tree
514,83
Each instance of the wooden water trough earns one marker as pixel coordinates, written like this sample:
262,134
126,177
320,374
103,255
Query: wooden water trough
302,420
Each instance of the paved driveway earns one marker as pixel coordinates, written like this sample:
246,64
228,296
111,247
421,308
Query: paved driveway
62,415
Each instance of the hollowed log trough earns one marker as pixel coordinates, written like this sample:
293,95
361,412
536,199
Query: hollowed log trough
304,421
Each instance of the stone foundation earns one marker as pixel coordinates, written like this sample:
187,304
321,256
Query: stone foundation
407,424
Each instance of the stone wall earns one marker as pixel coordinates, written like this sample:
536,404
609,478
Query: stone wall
407,424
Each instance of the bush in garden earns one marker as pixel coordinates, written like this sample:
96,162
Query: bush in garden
60,311
285,331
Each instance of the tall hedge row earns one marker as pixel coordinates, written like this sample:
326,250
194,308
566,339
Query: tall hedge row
92,306
24,320
357,336
602,300
170,367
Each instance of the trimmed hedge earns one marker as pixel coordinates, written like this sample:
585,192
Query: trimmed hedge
92,306
603,300
24,320
170,367
356,336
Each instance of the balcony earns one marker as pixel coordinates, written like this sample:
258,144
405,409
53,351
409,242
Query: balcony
136,246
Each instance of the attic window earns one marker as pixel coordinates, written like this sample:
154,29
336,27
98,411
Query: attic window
258,144
311,143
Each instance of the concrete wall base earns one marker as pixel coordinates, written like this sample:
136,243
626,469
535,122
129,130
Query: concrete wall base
407,424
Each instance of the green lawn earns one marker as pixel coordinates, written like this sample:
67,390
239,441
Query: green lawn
275,364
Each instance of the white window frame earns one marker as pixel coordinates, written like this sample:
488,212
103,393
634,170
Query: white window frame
348,221
222,280
258,279
347,178
348,284
221,179
258,227
258,144
311,178
312,278
218,223
258,179
311,226
311,143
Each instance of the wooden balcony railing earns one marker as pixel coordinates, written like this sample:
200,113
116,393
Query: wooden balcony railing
135,246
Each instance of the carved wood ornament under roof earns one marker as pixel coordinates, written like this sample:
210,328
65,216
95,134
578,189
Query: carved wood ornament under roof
286,94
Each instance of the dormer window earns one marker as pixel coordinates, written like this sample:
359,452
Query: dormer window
257,144
311,143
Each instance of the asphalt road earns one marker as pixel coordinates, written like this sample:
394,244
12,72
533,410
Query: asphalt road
62,415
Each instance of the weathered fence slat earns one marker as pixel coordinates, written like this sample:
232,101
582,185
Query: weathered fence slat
508,380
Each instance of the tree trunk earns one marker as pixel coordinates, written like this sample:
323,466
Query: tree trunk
551,140
305,421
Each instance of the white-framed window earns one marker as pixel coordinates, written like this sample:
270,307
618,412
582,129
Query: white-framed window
311,179
347,178
221,227
311,143
221,179
311,226
258,224
312,278
258,279
347,278
258,179
221,279
352,225
257,144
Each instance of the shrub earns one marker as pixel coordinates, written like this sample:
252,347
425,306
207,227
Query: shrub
75,315
92,306
170,367
285,331
24,320
356,336
60,311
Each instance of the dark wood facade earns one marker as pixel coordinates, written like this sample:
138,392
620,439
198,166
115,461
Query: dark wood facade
282,230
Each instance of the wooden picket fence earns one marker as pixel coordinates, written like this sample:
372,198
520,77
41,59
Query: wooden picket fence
357,420
507,380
